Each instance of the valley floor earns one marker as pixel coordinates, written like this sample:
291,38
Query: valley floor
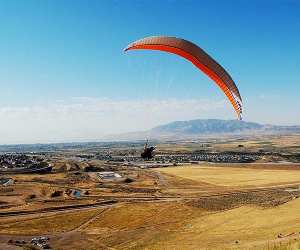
205,206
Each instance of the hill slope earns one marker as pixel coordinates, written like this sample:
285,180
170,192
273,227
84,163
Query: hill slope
211,126
206,127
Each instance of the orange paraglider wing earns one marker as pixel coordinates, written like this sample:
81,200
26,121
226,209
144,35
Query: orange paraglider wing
199,58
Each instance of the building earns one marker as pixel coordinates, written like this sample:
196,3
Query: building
108,175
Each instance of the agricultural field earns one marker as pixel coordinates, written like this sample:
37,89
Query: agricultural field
235,176
202,205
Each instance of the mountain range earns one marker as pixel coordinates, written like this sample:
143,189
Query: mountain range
206,127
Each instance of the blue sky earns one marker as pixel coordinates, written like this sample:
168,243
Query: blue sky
60,55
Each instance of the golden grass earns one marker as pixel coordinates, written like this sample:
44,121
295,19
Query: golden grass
133,226
170,226
60,222
228,176
177,226
242,228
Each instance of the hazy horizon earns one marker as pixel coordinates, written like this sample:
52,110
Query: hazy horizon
64,75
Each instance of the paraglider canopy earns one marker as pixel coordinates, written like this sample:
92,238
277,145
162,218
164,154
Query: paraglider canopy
199,58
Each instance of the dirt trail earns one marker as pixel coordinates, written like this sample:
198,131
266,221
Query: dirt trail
90,220
56,209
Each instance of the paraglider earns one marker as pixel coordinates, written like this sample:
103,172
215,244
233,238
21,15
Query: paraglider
148,152
199,58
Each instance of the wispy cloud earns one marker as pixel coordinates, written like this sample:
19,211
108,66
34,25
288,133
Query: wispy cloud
85,118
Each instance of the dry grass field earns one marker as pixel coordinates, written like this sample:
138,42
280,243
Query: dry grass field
161,225
230,176
240,228
199,206
53,223
194,207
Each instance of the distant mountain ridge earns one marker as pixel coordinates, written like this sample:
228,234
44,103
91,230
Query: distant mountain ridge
216,126
206,127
